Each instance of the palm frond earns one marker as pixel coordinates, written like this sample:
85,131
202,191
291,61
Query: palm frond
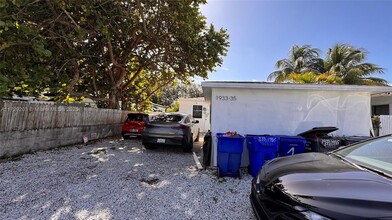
374,81
274,75
283,64
370,68
329,78
308,77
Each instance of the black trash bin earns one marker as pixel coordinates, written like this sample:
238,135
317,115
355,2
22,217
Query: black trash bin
207,150
318,140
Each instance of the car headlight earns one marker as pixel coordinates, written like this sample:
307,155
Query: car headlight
309,214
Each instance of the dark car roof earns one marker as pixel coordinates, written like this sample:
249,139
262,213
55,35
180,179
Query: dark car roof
137,113
175,113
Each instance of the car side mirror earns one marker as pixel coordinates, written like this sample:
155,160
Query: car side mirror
196,121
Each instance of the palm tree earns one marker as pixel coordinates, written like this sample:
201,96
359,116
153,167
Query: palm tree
346,63
302,59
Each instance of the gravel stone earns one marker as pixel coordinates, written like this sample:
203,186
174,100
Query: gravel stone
118,179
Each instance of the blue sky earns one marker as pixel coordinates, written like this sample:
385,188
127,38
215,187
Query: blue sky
262,32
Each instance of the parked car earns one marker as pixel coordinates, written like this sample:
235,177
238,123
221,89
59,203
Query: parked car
134,124
170,129
352,182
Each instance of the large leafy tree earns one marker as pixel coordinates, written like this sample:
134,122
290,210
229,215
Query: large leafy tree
169,94
24,55
302,59
346,62
119,50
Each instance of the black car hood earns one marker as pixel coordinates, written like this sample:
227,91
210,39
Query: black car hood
327,184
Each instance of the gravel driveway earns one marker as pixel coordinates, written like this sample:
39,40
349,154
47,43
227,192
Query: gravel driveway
118,179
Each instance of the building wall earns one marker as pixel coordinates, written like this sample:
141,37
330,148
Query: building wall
287,112
382,100
186,106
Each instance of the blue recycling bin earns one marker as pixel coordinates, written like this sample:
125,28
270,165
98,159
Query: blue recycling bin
290,145
261,148
229,154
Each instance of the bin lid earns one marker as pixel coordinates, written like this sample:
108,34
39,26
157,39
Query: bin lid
356,138
316,131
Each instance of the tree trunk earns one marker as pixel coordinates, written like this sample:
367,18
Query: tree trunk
113,104
76,76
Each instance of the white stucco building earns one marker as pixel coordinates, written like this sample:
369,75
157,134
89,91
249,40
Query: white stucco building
287,109
199,109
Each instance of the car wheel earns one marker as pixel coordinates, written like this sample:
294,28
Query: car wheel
198,136
125,137
188,147
149,147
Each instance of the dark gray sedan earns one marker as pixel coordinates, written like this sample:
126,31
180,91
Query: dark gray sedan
176,129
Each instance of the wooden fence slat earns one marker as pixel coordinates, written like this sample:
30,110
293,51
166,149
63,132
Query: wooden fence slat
35,116
30,118
14,116
67,117
56,119
48,117
23,121
41,117
41,114
5,117
2,110
17,118
9,116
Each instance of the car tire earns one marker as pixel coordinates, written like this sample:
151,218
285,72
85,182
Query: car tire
188,147
125,137
198,136
149,147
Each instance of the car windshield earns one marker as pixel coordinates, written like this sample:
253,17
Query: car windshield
137,117
167,118
375,155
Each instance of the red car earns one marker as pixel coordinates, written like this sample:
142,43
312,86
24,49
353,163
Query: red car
134,124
